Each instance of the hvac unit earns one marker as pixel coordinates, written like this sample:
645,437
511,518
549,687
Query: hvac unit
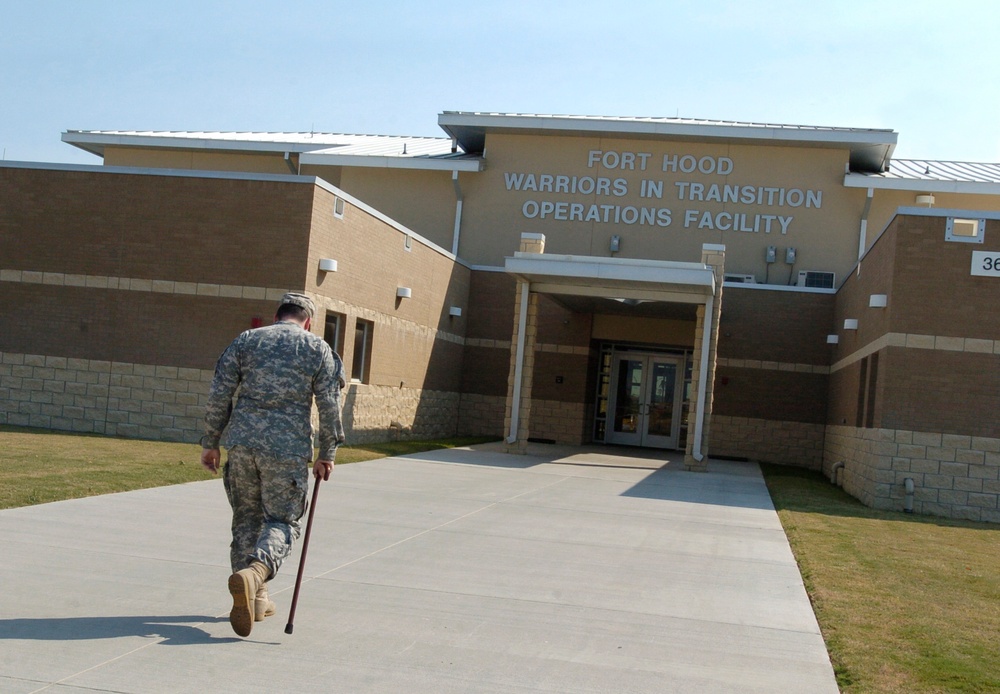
740,279
818,280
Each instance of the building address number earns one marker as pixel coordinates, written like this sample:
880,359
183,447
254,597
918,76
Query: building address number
986,263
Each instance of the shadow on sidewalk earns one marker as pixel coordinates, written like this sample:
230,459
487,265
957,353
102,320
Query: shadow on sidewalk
174,630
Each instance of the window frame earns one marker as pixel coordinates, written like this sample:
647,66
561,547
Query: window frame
361,355
339,321
950,235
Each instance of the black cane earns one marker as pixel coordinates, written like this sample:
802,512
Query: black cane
302,560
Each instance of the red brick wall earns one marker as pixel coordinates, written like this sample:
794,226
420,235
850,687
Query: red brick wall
778,326
110,325
221,231
491,306
933,291
784,396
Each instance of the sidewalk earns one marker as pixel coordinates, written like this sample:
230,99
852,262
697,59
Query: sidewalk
466,571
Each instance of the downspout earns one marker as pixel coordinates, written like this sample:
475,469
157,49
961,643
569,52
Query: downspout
699,417
515,401
908,503
863,237
458,212
835,473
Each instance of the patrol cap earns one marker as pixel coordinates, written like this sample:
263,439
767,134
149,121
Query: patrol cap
300,300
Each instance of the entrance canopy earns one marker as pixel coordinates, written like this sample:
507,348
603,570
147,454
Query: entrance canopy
578,281
629,281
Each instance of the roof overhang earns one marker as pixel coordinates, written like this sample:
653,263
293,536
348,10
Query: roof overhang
870,149
95,142
460,162
618,283
916,185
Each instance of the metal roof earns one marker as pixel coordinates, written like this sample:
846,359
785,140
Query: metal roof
315,148
927,175
397,152
870,148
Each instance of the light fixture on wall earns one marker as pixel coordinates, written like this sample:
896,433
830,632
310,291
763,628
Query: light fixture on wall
878,301
327,265
926,199
404,292
850,324
832,339
455,311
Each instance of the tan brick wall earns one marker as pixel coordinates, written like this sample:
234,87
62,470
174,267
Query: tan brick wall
378,413
799,444
561,422
954,476
481,415
417,342
422,200
168,403
165,271
114,398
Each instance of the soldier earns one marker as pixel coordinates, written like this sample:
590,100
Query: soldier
274,372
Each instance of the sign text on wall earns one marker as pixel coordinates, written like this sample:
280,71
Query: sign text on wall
767,208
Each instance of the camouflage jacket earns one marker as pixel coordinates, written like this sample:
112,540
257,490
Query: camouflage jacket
274,372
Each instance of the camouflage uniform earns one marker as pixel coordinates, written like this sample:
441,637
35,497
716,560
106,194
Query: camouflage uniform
274,372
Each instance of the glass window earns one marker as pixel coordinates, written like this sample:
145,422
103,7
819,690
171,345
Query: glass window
333,330
361,361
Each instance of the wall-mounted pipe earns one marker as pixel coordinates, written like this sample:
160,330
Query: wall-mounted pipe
908,502
835,473
458,213
699,414
515,400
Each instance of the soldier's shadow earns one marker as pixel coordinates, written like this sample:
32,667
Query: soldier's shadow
175,630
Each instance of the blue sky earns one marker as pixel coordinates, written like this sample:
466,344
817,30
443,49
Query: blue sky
928,70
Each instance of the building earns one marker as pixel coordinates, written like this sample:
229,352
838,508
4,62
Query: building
779,293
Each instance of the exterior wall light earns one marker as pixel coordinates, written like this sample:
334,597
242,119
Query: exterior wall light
877,301
927,200
455,311
327,265
832,339
404,292
850,324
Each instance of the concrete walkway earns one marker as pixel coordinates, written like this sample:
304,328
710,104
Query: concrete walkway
466,571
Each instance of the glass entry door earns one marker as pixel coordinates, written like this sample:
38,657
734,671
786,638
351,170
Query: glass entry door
645,400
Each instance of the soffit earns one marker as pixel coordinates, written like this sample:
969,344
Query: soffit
619,286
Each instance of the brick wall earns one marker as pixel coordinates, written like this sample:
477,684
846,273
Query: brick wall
772,376
954,476
914,389
799,444
560,422
481,415
114,398
141,280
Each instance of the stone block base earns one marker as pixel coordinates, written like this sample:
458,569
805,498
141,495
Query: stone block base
953,476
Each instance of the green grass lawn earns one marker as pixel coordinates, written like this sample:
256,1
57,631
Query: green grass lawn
37,466
906,603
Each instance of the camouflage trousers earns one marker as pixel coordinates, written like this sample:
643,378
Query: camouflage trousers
268,497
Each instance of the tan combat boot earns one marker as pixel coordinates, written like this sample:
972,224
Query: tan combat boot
243,586
263,606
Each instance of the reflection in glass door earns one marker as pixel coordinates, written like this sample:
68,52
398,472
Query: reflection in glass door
627,406
645,400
